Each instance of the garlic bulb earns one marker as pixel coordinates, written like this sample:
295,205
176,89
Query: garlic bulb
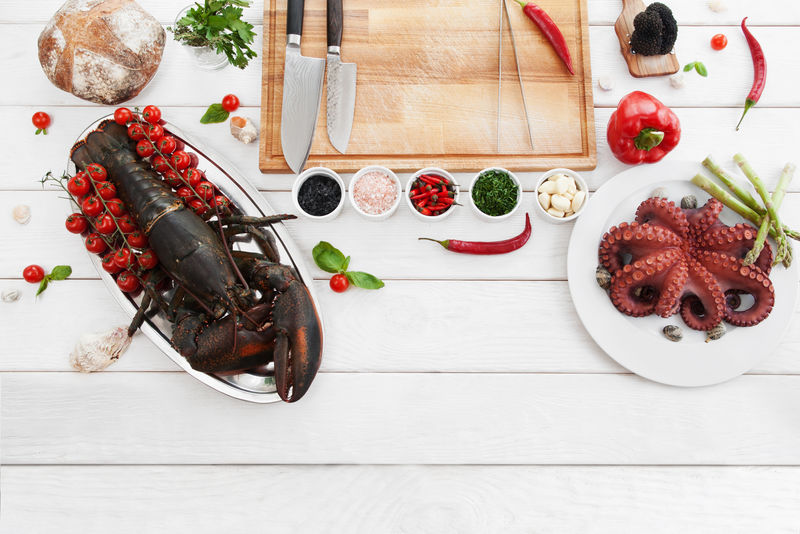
21,213
606,83
677,81
95,352
243,129
10,295
717,6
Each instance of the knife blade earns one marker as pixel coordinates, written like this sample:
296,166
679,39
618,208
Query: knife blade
302,92
341,96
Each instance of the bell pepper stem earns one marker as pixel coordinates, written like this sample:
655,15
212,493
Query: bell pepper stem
648,139
749,103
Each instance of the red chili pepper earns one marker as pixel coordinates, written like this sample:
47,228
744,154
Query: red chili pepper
421,195
487,247
425,211
759,72
428,180
550,30
423,203
642,129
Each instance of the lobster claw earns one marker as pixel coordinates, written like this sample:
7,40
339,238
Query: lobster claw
298,344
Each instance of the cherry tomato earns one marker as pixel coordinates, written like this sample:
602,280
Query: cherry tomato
97,172
33,274
95,244
151,114
105,224
205,190
159,163
137,239
115,207
147,259
180,159
193,159
193,176
197,206
173,178
719,41
145,148
78,185
221,202
123,116
123,258
41,120
185,192
127,282
230,103
155,132
167,144
126,224
108,264
92,206
106,190
76,223
339,283
136,131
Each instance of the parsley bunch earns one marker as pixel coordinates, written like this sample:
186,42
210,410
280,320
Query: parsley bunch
219,25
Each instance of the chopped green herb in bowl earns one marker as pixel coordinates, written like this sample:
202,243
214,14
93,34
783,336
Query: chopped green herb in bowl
495,193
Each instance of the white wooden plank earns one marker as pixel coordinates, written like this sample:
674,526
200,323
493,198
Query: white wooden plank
159,418
538,331
369,499
389,249
179,83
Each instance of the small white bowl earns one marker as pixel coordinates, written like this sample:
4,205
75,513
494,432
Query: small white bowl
386,214
497,218
431,218
314,172
579,182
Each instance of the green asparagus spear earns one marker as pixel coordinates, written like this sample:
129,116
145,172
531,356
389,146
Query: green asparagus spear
733,185
777,200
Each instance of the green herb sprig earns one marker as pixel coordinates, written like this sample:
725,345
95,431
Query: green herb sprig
219,25
59,272
495,193
698,66
331,260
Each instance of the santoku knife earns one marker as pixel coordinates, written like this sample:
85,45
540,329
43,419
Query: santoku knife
302,92
341,99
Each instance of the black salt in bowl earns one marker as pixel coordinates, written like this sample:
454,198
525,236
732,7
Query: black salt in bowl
319,193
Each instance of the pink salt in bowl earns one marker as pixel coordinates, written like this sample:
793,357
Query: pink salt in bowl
373,198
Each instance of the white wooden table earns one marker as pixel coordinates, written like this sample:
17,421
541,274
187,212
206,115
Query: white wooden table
465,396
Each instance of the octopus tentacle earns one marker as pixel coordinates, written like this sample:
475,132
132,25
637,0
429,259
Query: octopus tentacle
703,307
735,241
636,240
671,290
662,212
702,218
628,283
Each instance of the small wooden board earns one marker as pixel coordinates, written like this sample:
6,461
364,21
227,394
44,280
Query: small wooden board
641,66
427,86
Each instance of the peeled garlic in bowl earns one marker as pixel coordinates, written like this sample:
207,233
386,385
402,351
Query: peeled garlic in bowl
560,195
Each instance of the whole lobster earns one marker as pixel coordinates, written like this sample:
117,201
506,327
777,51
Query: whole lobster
231,310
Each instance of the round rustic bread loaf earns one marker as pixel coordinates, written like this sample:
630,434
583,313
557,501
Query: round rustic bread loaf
104,51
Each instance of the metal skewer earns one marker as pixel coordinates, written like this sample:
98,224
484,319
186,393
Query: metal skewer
519,74
499,71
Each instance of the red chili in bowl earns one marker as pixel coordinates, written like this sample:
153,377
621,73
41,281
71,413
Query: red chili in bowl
432,195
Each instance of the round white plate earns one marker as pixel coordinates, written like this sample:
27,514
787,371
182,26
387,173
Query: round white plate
637,343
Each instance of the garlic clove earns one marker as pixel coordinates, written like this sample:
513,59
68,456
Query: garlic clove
10,295
95,352
578,200
677,80
555,213
243,129
560,202
21,213
606,83
544,201
548,187
562,184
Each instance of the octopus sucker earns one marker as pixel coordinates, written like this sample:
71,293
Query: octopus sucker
672,259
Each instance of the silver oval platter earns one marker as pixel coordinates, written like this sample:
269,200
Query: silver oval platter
249,201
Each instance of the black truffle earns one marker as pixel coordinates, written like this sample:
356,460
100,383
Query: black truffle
654,31
670,32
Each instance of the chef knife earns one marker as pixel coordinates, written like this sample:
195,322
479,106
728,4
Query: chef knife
341,100
302,92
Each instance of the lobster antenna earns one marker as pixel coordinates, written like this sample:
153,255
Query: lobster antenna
227,250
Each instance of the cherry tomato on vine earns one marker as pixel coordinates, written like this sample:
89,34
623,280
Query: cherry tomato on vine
180,159
126,224
33,274
205,190
221,202
230,103
115,207
123,116
193,176
151,114
92,206
97,172
76,223
41,120
167,144
127,282
108,264
339,283
106,190
105,224
124,258
147,259
145,148
155,132
159,163
137,239
136,131
193,159
78,185
197,205
719,41
173,178
95,244
185,192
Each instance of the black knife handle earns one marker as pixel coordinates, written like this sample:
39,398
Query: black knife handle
294,17
335,22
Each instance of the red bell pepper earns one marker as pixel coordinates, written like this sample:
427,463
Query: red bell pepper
642,129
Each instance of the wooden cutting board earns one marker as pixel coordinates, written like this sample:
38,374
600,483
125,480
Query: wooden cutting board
428,82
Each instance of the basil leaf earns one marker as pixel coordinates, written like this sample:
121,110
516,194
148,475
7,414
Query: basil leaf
346,263
214,113
701,69
42,285
364,280
60,272
689,66
328,258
